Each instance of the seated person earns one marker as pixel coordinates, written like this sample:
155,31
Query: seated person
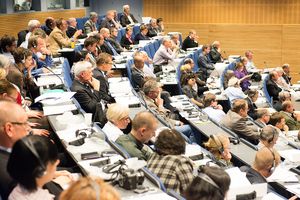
190,41
211,183
175,41
212,108
237,121
148,69
144,125
87,91
164,54
90,46
227,76
127,18
32,163
169,163
234,91
49,25
286,73
264,165
127,40
281,81
215,52
278,120
152,28
117,118
291,119
113,38
282,97
107,46
272,87
8,45
152,97
90,25
263,117
268,137
250,65
107,22
90,188
219,146
188,83
252,96
137,72
160,25
241,73
72,28
142,35
102,72
204,63
58,38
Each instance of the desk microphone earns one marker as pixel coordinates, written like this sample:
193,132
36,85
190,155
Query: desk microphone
60,86
224,52
265,63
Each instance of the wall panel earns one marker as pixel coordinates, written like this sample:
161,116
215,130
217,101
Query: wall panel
13,23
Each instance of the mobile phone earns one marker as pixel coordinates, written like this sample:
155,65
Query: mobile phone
90,155
100,163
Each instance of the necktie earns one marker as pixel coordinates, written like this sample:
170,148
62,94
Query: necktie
112,48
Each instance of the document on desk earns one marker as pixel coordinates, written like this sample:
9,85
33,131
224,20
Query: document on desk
292,155
272,196
151,196
54,97
282,175
57,71
54,110
48,80
295,189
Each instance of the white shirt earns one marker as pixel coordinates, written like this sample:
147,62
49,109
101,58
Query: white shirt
9,56
234,93
148,71
25,43
112,131
21,193
215,114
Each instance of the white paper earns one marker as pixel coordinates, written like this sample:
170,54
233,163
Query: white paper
65,50
292,155
238,178
192,149
282,175
272,196
260,189
55,96
295,188
56,71
54,110
48,80
151,196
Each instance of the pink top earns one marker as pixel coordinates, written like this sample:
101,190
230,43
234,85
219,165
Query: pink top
21,193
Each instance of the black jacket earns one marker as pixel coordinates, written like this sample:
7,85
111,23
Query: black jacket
89,101
104,86
125,21
189,43
273,89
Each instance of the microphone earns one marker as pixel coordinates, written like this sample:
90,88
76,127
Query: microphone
224,52
265,63
60,86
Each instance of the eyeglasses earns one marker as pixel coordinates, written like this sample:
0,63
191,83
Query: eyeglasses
126,118
110,63
20,123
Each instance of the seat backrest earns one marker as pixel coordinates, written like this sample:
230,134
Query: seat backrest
265,90
156,45
67,74
128,65
81,22
154,179
21,37
152,50
174,194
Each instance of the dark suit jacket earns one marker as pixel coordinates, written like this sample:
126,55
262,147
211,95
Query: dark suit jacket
126,43
105,49
104,86
140,36
125,21
22,37
89,101
205,66
189,43
287,78
71,31
137,78
215,56
106,23
273,89
116,45
152,31
6,182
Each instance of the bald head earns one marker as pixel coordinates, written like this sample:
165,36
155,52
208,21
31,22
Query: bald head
13,122
265,158
144,126
139,61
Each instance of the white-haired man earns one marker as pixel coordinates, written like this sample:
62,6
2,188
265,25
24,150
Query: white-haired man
32,25
127,18
87,91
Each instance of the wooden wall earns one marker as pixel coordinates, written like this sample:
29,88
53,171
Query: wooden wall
270,28
13,23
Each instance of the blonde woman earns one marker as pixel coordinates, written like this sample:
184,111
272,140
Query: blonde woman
117,118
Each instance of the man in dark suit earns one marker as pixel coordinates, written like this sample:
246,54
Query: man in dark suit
107,46
152,28
215,52
107,22
272,86
137,75
13,118
142,35
190,41
104,65
263,117
205,66
127,18
87,91
72,23
286,73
